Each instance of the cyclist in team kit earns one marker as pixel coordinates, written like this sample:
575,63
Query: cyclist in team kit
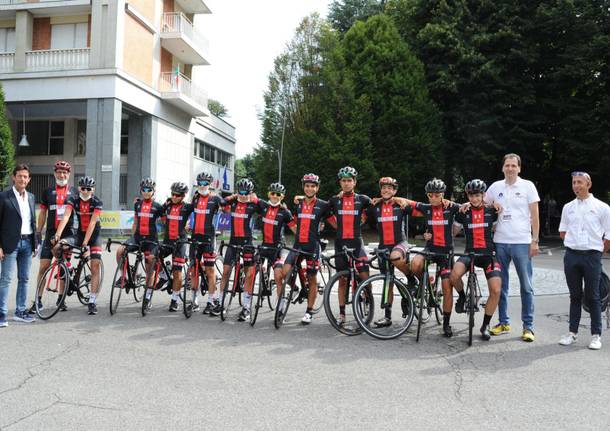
205,206
478,222
146,212
176,213
275,218
52,209
87,208
242,207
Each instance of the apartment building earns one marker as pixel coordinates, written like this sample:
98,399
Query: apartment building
107,85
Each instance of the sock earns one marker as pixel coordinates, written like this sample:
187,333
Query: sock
247,300
342,310
462,295
486,320
446,317
175,296
388,312
210,299
309,310
92,298
195,293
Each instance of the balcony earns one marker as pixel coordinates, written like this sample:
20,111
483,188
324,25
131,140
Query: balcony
43,5
193,6
57,59
7,61
179,37
178,90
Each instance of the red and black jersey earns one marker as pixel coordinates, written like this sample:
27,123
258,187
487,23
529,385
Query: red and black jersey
176,216
308,216
348,211
146,214
241,218
391,222
275,218
478,224
439,223
205,207
55,200
84,210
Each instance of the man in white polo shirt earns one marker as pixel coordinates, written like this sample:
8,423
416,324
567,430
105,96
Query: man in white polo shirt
516,240
585,230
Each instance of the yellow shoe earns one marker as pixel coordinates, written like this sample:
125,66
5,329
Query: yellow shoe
500,329
528,336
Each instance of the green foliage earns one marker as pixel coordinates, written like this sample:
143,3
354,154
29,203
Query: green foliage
217,108
342,14
7,149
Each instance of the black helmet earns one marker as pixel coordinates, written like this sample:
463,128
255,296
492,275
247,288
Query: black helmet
179,188
204,176
310,178
475,186
86,182
435,186
277,188
388,181
244,185
347,172
147,182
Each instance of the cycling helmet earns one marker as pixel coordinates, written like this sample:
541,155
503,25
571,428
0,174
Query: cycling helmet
179,188
245,185
277,188
62,164
388,181
435,186
310,178
147,182
347,172
475,186
86,182
204,176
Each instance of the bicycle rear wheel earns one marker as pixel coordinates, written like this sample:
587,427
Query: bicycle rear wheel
187,296
118,284
228,294
422,297
138,280
436,289
256,299
470,298
52,290
348,325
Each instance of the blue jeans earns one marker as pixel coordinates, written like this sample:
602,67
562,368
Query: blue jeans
586,267
519,254
22,259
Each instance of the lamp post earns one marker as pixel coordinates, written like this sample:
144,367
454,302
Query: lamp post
281,152
24,140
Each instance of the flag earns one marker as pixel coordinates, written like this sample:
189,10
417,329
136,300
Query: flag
216,184
225,180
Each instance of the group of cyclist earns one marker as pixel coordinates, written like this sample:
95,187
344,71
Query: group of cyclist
346,212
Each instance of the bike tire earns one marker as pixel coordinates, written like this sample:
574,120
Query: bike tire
286,296
138,280
422,293
187,295
117,287
330,296
255,305
471,306
48,290
437,295
228,294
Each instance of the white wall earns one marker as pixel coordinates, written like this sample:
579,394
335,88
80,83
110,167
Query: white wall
172,158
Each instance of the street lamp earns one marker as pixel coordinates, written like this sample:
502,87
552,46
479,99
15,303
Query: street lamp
281,152
24,140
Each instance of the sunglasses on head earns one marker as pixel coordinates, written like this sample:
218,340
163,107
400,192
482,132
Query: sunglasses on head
203,183
86,189
146,190
580,174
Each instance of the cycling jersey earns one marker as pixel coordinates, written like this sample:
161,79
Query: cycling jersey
55,199
176,216
241,216
391,222
146,213
478,224
204,208
439,221
275,218
309,216
84,210
348,210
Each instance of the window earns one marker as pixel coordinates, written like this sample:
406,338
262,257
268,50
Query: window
39,183
81,138
211,154
68,36
124,136
7,40
46,138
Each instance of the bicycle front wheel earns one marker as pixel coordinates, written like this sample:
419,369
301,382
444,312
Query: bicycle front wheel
284,300
335,298
118,284
52,290
471,299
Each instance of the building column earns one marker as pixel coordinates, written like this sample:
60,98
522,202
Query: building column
103,150
24,30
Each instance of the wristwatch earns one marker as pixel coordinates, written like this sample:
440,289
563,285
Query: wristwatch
535,240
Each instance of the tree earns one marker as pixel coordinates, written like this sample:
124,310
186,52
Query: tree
342,14
217,108
244,167
405,130
7,149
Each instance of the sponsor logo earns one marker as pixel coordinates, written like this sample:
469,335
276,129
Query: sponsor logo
270,221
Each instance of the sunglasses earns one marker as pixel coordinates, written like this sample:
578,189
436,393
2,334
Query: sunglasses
203,183
86,189
147,190
243,192
279,195
178,195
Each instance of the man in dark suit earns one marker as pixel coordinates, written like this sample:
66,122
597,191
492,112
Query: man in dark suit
17,243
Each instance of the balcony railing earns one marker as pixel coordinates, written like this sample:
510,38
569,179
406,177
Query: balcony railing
171,82
57,59
176,22
7,61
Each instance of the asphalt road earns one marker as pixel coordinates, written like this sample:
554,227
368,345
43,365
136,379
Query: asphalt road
165,372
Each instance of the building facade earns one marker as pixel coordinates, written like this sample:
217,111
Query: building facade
107,85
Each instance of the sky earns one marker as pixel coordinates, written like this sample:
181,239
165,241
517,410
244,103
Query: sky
245,37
